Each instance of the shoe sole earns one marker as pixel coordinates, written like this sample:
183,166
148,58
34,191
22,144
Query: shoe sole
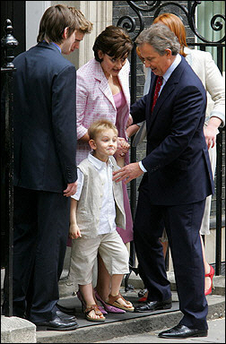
154,309
109,308
49,328
202,334
122,308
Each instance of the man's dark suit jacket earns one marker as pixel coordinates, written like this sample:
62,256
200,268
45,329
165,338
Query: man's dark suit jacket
44,119
177,160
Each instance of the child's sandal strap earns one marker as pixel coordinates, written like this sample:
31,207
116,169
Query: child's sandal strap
93,308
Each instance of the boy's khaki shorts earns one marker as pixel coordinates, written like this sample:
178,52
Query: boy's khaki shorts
84,253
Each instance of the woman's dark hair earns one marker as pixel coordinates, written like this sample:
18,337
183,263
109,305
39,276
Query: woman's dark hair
113,41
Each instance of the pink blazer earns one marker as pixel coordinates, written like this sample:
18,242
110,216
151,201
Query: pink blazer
94,100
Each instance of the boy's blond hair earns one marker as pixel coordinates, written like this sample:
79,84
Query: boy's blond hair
85,26
100,126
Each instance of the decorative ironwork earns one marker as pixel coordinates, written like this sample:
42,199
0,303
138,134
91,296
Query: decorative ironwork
8,44
129,23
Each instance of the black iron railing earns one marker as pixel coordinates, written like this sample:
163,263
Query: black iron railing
8,43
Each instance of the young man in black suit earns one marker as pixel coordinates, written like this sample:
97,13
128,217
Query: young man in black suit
45,169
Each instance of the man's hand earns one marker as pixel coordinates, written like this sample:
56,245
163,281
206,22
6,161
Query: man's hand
71,189
128,173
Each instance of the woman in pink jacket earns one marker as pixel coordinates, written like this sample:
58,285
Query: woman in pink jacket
103,93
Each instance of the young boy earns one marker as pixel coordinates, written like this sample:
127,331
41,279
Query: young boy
96,209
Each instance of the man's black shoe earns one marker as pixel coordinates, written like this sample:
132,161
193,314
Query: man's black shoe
57,324
153,306
65,316
182,331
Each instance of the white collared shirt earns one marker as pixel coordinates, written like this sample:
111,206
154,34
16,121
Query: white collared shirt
107,212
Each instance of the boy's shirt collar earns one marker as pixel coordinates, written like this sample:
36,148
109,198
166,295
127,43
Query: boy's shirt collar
98,163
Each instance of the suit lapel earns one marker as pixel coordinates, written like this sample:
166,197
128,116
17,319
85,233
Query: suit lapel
123,79
165,93
103,86
105,89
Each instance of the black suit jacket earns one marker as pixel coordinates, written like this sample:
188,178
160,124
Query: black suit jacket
177,159
44,119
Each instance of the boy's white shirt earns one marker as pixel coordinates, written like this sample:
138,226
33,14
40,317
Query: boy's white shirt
108,211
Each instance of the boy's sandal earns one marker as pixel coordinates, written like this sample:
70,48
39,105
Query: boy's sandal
113,301
97,312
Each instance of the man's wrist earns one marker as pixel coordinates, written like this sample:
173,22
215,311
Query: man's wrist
142,167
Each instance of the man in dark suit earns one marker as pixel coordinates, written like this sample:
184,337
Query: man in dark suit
45,169
177,179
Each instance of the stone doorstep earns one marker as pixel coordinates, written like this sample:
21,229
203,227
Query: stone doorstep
100,332
17,330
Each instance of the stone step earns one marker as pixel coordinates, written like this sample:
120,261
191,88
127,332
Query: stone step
119,325
22,331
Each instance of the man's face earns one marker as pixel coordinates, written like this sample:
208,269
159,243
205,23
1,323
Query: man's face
68,42
78,38
158,63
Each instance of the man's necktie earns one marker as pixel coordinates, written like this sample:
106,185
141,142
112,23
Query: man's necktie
157,89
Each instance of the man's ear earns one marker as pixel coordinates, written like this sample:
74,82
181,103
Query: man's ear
92,144
168,52
65,33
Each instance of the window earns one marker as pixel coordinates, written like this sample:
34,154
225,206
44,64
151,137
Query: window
205,12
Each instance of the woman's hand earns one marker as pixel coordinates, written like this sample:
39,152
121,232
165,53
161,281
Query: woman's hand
129,121
123,147
211,131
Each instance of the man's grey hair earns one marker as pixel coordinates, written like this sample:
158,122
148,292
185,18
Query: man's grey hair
160,37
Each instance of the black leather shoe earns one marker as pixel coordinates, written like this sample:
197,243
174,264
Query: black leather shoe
153,306
65,316
57,324
182,331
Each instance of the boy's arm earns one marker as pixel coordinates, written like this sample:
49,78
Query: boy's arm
74,231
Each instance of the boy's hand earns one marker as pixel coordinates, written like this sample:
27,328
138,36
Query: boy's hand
74,232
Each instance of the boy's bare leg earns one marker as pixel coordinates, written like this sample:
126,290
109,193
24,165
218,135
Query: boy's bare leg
87,294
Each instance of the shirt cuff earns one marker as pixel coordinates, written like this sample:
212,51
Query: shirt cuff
142,166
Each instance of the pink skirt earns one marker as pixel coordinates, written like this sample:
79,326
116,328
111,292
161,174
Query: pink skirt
126,234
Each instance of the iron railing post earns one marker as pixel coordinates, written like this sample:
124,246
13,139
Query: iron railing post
8,43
